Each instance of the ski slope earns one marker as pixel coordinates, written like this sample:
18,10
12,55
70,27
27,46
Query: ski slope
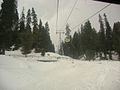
20,73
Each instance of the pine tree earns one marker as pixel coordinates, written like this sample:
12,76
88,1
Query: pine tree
49,45
21,29
39,38
108,37
28,20
116,38
22,21
79,44
15,37
26,43
76,45
34,18
88,41
9,19
101,38
82,40
27,39
35,29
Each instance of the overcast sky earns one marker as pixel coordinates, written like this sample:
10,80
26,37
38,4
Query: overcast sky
46,10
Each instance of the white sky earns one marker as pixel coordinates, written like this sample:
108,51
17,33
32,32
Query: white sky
46,10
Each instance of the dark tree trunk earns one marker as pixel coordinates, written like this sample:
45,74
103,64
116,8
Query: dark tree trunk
100,55
110,55
105,55
3,51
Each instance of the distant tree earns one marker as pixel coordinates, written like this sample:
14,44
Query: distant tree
26,35
22,21
39,38
34,18
101,38
82,40
35,29
79,44
49,45
76,44
28,21
20,31
108,37
89,40
116,38
8,22
26,43
15,37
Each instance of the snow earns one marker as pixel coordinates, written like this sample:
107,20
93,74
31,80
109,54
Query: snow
20,73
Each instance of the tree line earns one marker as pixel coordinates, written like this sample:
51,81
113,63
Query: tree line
24,32
92,44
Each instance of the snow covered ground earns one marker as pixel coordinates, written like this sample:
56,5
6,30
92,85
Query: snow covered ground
20,73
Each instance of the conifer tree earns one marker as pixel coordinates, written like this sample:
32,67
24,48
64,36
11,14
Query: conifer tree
79,44
27,39
34,18
42,37
39,38
35,28
28,21
34,21
15,37
22,21
108,37
101,38
116,38
9,19
88,41
21,29
49,45
82,40
26,43
76,45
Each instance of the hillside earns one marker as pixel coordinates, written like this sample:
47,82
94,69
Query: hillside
20,73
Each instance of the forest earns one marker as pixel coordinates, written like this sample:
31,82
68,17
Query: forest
91,43
23,32
27,33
